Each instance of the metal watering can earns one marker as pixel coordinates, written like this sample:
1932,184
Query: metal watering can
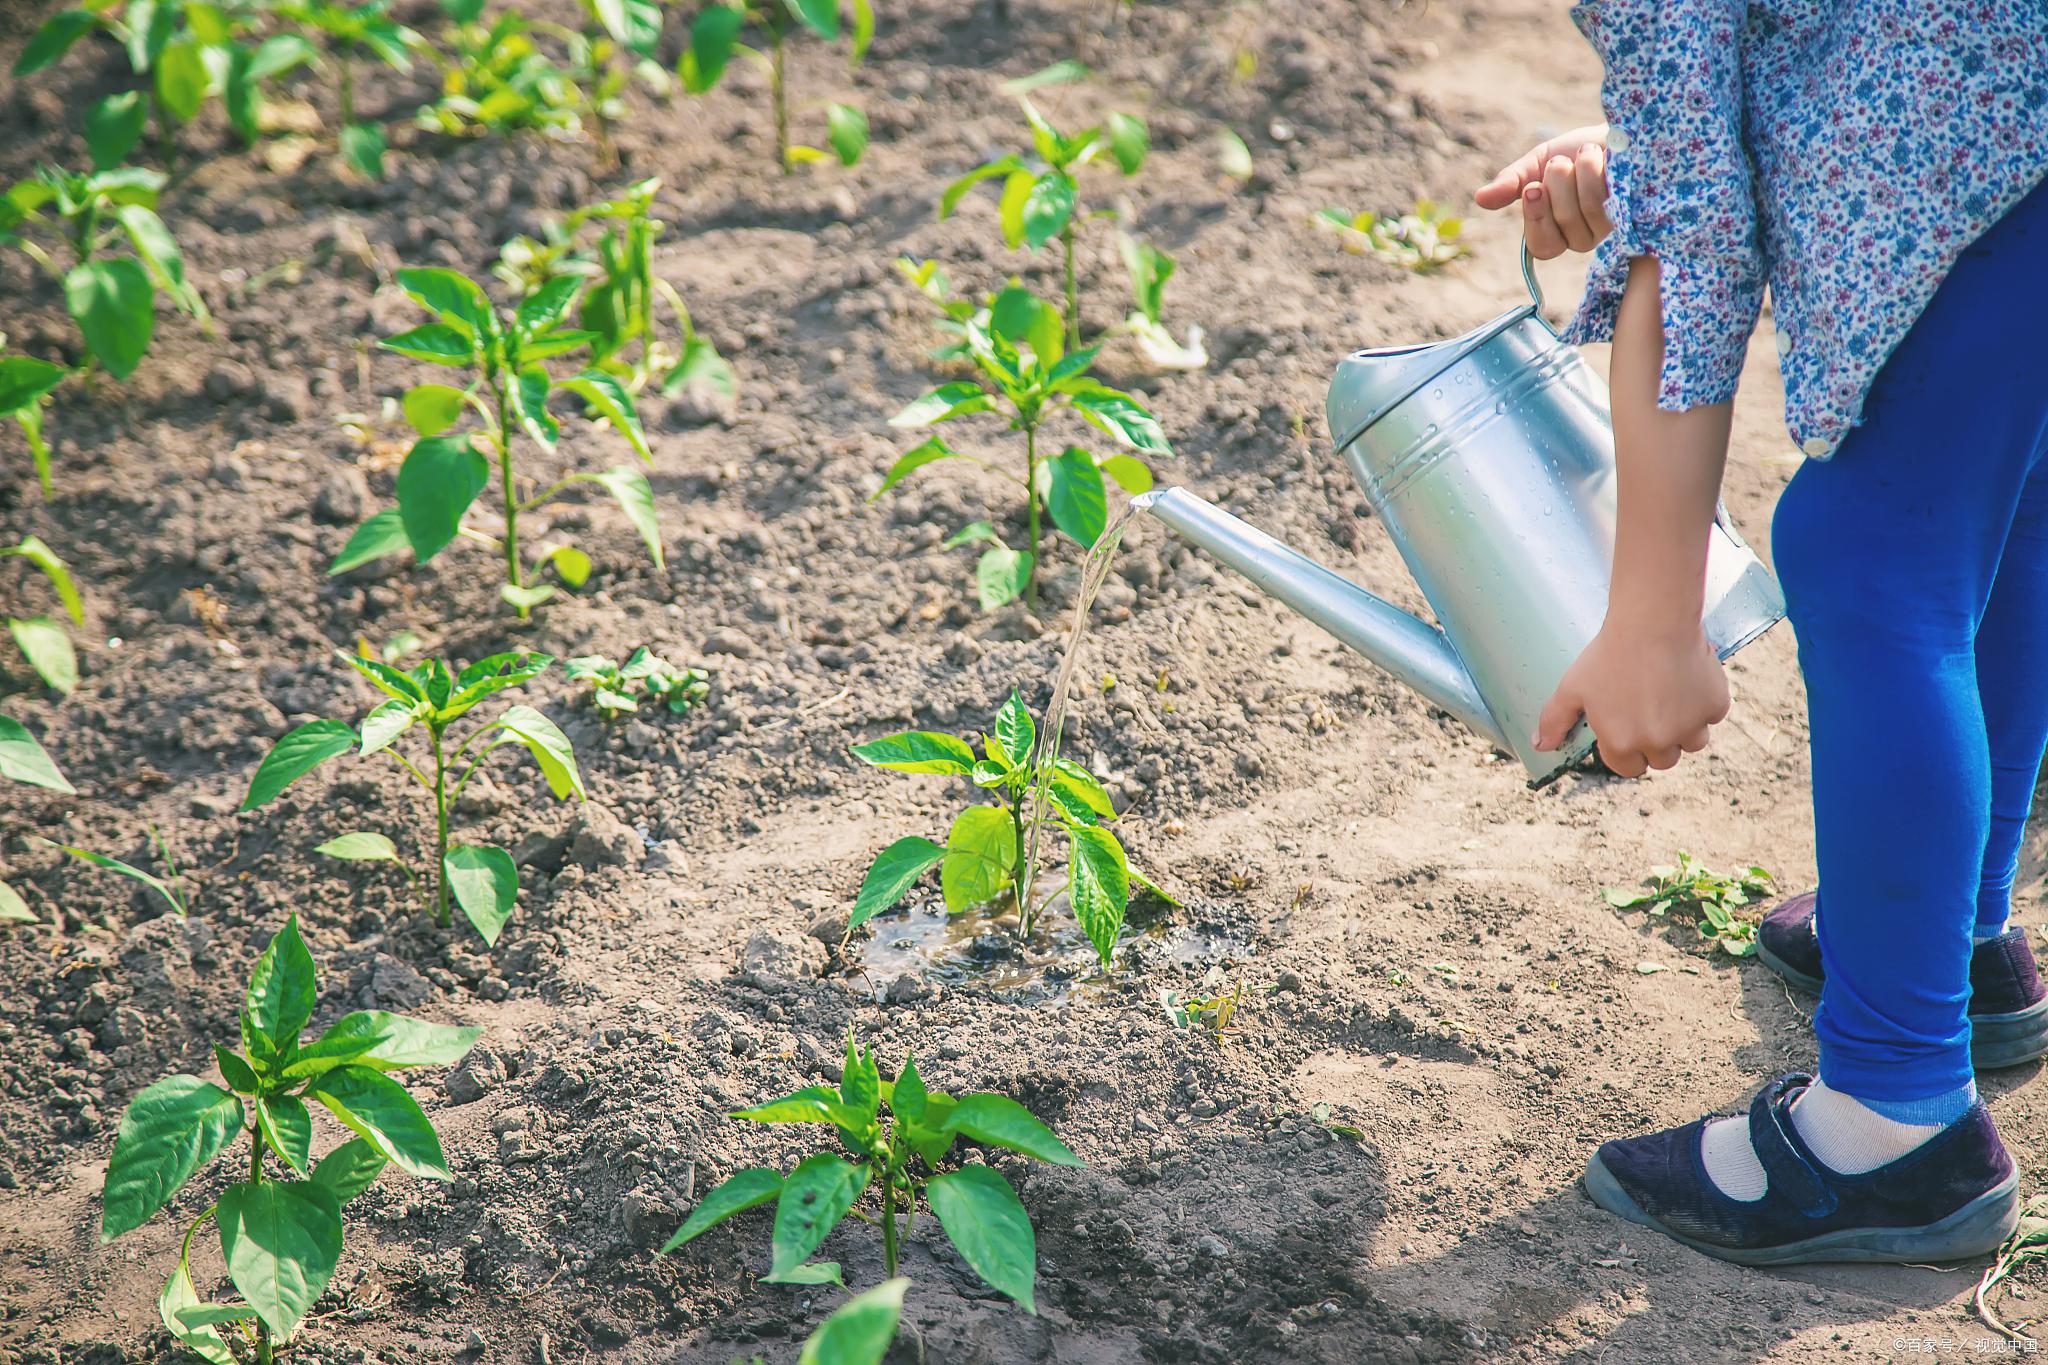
1490,458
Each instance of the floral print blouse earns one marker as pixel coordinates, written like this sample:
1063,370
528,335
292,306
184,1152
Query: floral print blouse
1842,152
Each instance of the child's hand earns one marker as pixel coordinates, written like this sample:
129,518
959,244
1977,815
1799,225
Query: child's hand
1648,694
1562,185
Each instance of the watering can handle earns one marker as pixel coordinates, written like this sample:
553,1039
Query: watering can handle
1535,285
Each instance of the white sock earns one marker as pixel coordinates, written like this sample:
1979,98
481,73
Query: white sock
1847,1135
1985,936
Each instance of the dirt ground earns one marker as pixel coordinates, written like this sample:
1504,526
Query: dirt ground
1424,941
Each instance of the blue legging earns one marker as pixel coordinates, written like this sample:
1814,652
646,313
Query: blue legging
1915,565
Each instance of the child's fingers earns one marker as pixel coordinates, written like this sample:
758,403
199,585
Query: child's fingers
1563,196
1695,741
1505,187
1539,229
1590,178
1661,759
1558,716
1623,762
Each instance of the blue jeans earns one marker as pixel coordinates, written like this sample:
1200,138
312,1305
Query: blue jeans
1915,566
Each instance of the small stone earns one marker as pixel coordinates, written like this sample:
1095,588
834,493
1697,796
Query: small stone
908,990
343,498
1213,1247
777,955
229,380
726,640
474,1342
389,984
1142,1122
212,805
701,404
598,838
1288,982
649,1217
480,1073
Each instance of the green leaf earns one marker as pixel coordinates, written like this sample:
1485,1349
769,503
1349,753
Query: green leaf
1099,886
449,295
981,853
635,496
889,879
24,381
288,1128
383,726
1080,786
381,535
54,39
713,36
550,748
969,534
281,1240
235,1071
208,1314
1129,472
436,342
1059,73
989,1228
739,1192
384,677
918,751
433,408
360,846
1123,418
812,1104
1232,156
44,558
957,191
115,308
1129,141
349,1169
1015,732
859,1331
440,478
387,1042
907,1097
169,893
1048,208
112,128
860,1083
820,16
485,883
169,1131
23,760
283,987
847,131
957,399
295,755
383,1114
815,1197
930,451
999,1121
158,252
182,79
1077,500
701,364
43,642
609,400
1001,576
1149,268
548,304
178,1298
13,909
821,1272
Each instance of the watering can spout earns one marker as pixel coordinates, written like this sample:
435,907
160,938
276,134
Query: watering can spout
1411,650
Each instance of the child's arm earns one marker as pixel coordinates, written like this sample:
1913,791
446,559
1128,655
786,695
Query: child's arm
1649,683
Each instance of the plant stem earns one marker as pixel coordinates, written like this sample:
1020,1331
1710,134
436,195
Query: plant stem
778,94
889,1221
1073,287
1031,515
348,89
440,831
256,1178
513,574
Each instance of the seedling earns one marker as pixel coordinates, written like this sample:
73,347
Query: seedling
111,298
715,36
174,891
1210,1008
1041,199
902,1155
351,32
2028,1243
988,847
618,306
508,390
23,760
186,55
616,689
25,386
280,1236
498,81
1150,268
1718,900
42,639
1027,375
1421,239
859,1331
484,881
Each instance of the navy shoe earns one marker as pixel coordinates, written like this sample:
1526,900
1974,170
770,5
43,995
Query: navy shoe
2008,1003
1954,1197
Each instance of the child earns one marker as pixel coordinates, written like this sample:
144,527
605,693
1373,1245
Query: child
1881,167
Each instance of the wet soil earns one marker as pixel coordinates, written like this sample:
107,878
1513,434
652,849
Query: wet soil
1440,1016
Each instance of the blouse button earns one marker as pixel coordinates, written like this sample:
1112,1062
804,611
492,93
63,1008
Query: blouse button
1816,446
1617,140
1784,344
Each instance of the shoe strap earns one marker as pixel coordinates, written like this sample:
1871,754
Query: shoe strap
1791,1175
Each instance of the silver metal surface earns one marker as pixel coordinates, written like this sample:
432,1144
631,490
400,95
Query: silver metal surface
1490,458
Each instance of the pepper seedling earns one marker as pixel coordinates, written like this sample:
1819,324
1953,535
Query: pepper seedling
174,891
281,1237
988,846
901,1156
617,689
350,32
1420,240
497,80
42,639
1041,199
25,386
1027,375
112,298
23,760
483,880
715,36
618,304
1720,901
859,1331
509,387
1149,268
